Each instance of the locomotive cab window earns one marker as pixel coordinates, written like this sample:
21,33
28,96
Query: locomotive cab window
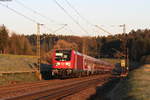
63,55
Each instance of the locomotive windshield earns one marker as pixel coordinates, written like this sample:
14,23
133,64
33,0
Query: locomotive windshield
63,55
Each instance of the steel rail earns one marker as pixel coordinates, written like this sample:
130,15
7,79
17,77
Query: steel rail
59,92
18,87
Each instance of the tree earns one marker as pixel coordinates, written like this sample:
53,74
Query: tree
3,39
62,44
19,44
13,44
27,48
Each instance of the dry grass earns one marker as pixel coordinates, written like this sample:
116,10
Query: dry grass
16,62
113,61
10,63
135,87
17,78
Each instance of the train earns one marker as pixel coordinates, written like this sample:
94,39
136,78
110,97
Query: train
71,63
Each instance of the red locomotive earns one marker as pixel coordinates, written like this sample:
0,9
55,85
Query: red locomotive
72,63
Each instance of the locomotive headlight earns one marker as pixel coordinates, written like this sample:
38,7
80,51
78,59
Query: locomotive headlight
68,64
57,64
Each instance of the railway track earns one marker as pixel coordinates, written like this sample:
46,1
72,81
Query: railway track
27,87
47,91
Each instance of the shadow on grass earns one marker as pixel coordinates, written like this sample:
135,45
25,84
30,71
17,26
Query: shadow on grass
102,91
129,98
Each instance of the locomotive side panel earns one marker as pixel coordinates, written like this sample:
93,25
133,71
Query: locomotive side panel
79,62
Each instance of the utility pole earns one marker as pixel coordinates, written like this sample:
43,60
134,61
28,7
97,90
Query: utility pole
124,28
38,46
126,48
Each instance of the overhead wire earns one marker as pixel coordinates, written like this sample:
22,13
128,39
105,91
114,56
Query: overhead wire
83,18
41,15
36,12
55,31
30,19
60,28
66,12
19,13
103,29
77,12
69,28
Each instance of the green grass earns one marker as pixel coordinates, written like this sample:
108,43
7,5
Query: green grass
135,87
16,62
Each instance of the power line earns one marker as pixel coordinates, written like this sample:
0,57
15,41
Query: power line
60,28
15,11
28,18
83,18
76,11
78,14
69,28
35,12
54,32
76,22
103,29
80,17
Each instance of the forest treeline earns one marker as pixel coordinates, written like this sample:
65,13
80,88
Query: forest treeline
112,46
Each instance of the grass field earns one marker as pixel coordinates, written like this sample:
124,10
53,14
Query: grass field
113,61
10,63
135,87
17,78
16,62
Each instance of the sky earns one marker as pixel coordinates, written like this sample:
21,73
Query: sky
108,14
